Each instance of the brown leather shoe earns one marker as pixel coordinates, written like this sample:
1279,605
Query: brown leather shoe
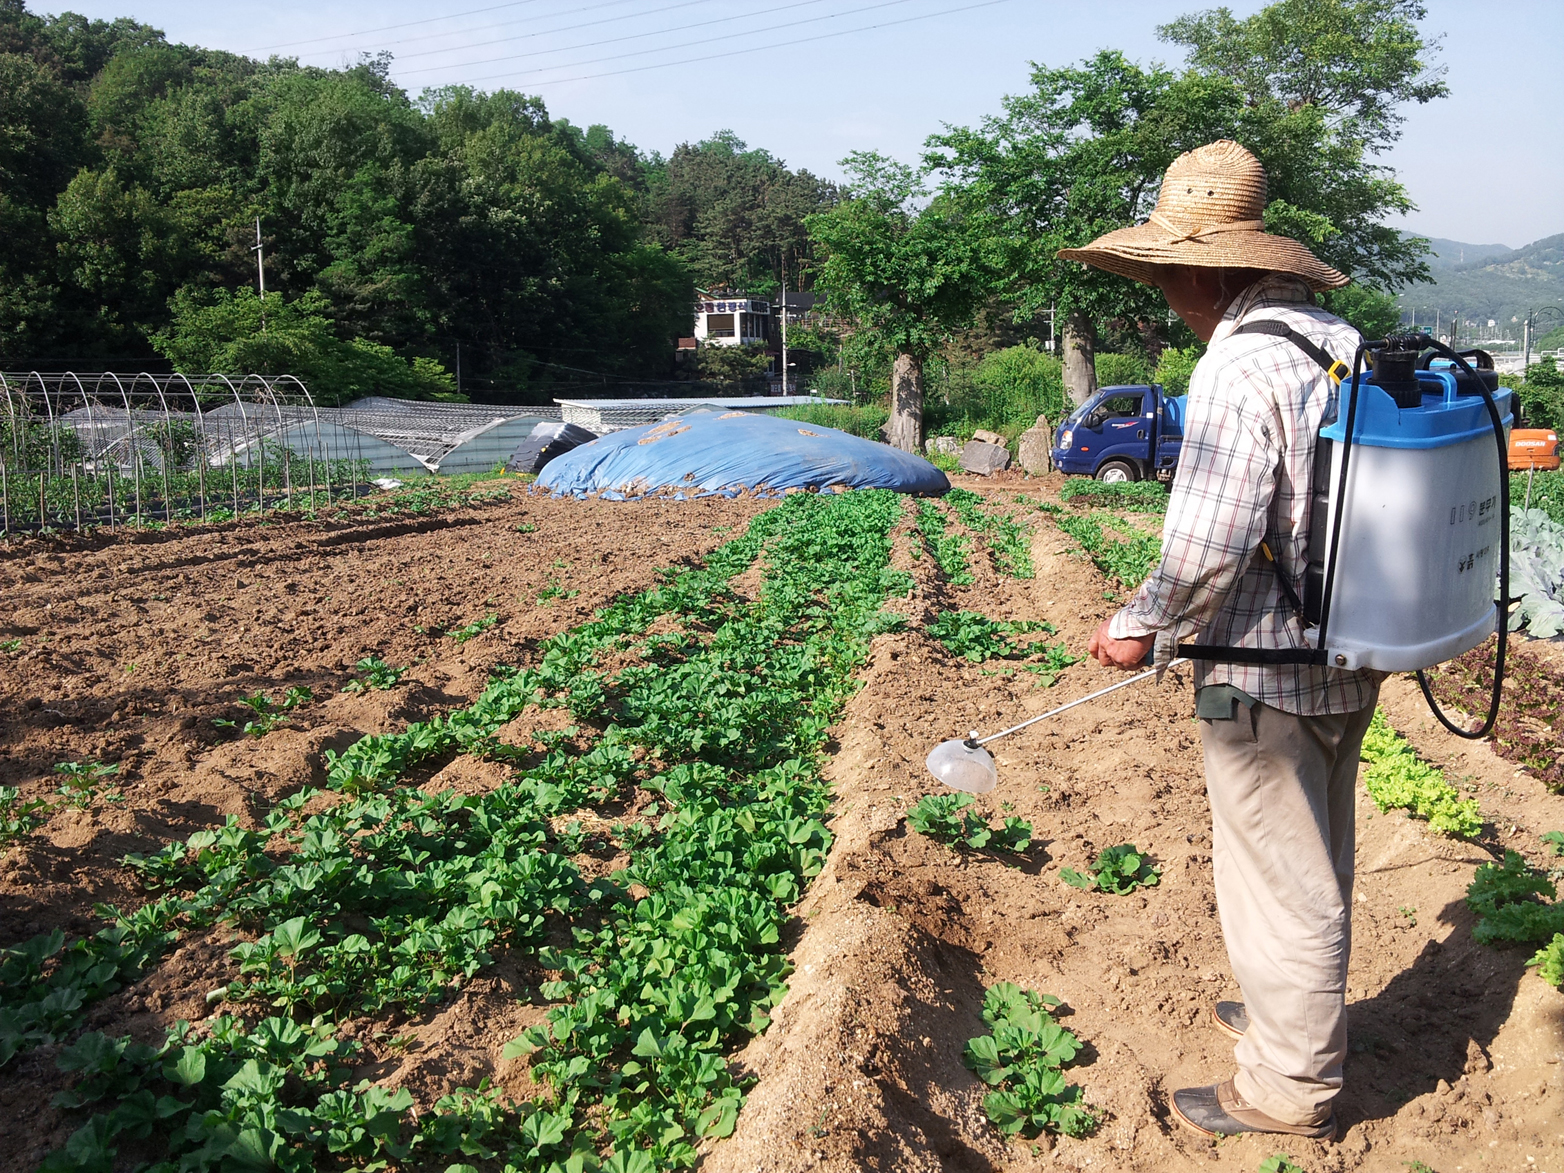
1230,1018
1218,1110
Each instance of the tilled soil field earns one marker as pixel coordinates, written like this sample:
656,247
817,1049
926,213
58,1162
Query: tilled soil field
129,649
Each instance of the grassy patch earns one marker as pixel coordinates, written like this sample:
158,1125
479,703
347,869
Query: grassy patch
1398,779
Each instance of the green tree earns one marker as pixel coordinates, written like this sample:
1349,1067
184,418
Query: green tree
734,215
1083,152
240,334
905,271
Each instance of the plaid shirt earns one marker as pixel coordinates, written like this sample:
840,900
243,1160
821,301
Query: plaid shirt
1255,407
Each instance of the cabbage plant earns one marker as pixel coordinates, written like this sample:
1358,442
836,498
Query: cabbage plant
1537,573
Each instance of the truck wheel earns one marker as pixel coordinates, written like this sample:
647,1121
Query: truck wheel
1117,472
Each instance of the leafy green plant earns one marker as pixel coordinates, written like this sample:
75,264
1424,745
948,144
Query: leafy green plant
1550,961
1119,870
1279,1163
1128,496
10,645
18,815
1514,902
979,638
81,779
476,628
1398,779
1555,841
374,673
950,819
1023,1058
554,589
269,714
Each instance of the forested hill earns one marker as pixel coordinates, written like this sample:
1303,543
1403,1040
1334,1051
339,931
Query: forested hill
1492,283
394,228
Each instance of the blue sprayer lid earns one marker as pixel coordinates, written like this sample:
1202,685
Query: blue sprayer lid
1444,418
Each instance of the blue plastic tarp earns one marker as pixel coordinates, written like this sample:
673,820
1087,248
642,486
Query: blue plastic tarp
727,453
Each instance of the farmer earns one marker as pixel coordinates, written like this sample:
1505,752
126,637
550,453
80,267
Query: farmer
1281,741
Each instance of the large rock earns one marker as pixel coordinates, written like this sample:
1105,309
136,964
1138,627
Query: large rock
1035,453
983,458
988,437
943,446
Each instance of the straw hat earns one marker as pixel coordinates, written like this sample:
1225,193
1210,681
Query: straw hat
1210,212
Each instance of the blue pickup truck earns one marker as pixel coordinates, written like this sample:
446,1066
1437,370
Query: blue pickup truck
1122,434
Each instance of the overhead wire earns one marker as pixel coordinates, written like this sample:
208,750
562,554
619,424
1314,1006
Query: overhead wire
768,47
564,28
386,28
680,28
662,48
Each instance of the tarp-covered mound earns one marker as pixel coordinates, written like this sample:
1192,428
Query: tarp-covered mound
732,452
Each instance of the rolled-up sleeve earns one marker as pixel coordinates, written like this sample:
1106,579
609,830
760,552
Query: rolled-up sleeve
1217,513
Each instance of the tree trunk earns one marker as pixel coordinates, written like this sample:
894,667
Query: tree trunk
1080,358
904,429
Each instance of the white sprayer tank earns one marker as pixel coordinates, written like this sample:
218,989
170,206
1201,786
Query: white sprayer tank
1420,535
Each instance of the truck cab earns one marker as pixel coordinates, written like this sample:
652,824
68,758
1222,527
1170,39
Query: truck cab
1124,433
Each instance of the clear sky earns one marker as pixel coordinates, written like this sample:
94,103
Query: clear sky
1485,165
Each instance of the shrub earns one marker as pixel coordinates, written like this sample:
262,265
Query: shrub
1116,369
865,421
1175,367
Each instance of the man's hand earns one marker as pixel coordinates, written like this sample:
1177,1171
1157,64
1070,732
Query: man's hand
1119,653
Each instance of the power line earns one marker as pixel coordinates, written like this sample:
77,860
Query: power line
593,44
662,48
740,52
385,28
564,28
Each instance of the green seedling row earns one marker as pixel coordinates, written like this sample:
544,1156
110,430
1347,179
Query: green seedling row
1127,558
1129,497
1023,1058
949,550
1009,540
1398,779
978,638
389,900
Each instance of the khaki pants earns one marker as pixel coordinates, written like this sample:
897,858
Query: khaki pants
1282,791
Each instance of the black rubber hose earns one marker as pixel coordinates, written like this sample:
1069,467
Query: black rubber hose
1504,559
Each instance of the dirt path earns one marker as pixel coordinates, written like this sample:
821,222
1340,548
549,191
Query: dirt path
1455,1047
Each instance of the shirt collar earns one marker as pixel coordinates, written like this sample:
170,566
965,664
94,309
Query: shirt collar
1274,289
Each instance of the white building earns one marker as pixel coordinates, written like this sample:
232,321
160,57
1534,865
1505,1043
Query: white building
732,320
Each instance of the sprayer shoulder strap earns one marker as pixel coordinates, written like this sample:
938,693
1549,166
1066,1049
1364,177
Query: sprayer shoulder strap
1334,367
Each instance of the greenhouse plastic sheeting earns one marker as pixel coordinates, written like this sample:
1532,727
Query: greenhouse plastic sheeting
727,453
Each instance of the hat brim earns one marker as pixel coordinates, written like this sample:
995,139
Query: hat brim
1141,252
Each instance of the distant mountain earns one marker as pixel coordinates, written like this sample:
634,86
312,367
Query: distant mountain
1492,283
1449,253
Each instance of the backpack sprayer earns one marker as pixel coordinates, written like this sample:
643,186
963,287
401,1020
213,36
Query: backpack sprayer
1409,513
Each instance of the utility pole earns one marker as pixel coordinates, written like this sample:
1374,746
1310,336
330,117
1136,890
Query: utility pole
458,368
784,322
260,270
